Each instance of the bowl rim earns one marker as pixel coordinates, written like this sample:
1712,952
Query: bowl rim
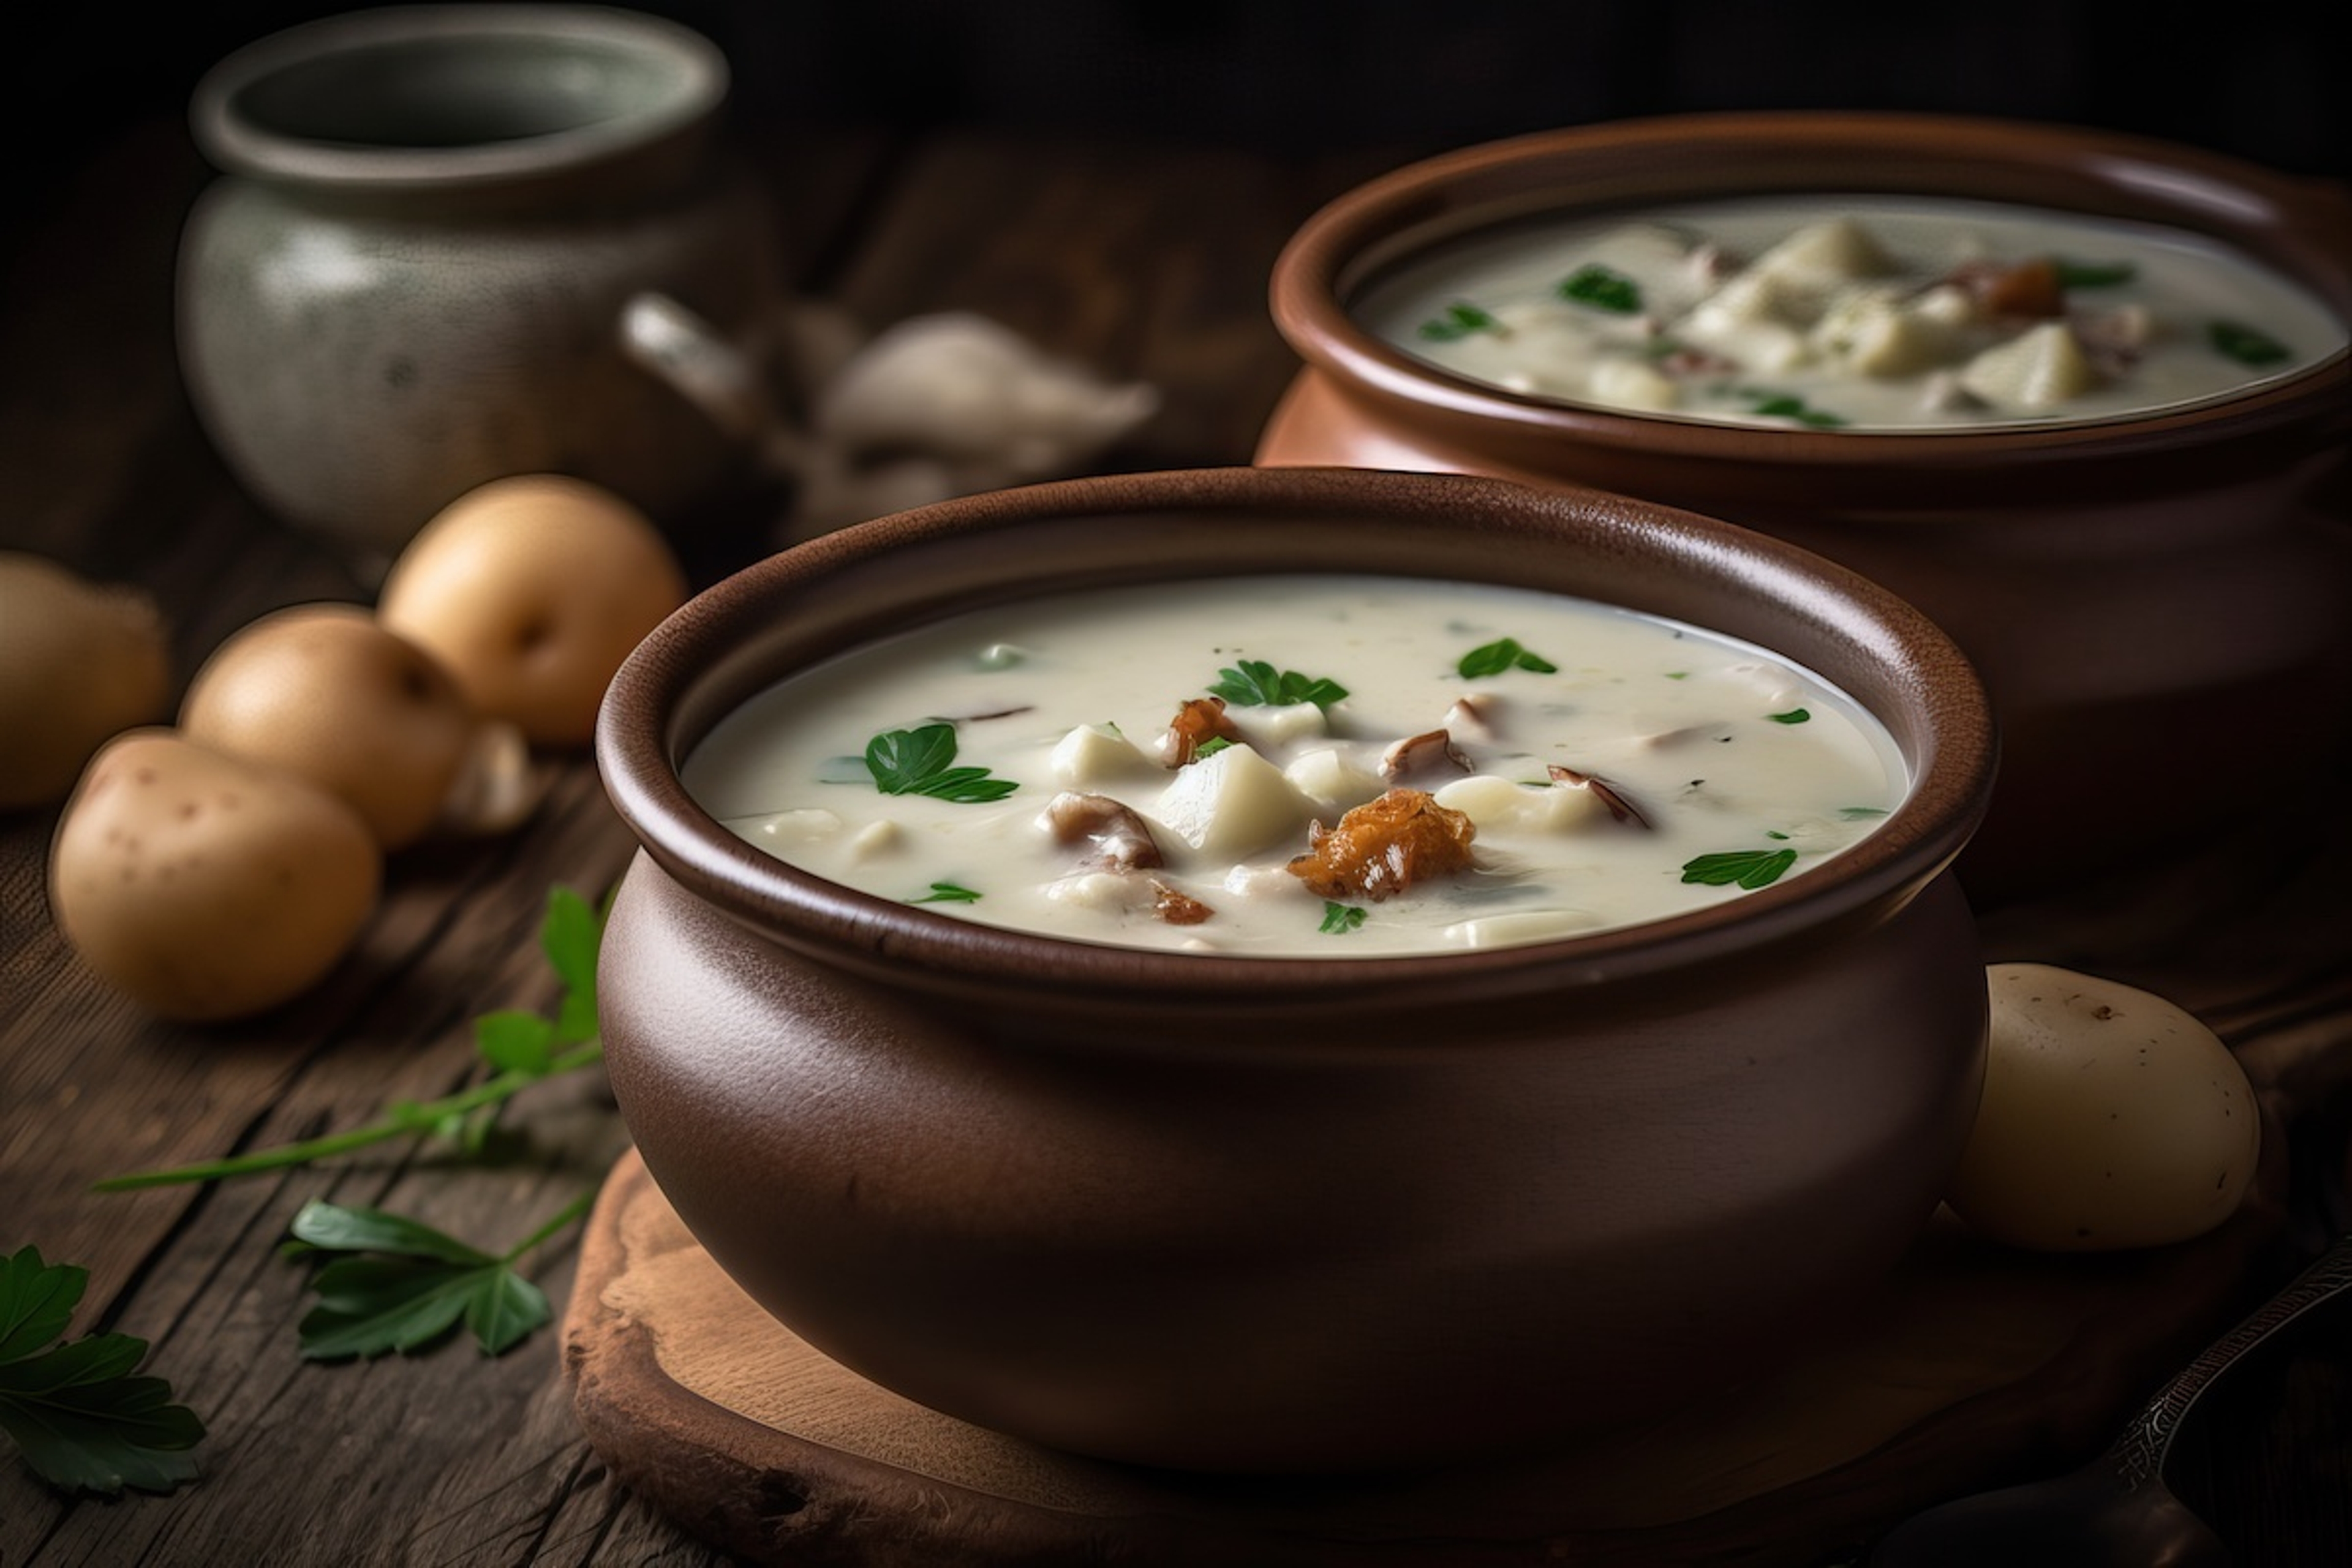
2302,227
694,72
738,636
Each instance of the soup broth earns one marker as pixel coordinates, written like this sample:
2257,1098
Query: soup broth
1852,312
1313,766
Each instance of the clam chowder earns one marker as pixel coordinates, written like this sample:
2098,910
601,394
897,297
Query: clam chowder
1852,312
1323,767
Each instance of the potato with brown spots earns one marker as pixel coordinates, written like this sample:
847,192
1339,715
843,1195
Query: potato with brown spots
79,661
327,691
2111,1117
531,591
203,886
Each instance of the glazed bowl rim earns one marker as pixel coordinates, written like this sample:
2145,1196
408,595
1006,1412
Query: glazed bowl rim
697,80
693,669
1323,262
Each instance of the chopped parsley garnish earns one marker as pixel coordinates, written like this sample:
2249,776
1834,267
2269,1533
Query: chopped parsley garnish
1338,920
1494,658
914,762
1793,716
2092,274
1788,405
2245,344
74,1407
1603,289
1210,747
1254,683
1749,868
1459,321
947,893
401,1285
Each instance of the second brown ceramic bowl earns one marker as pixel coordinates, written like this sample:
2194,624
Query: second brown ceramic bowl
2152,602
1235,1214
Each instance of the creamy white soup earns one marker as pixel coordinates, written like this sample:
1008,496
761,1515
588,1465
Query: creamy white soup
1323,766
1853,312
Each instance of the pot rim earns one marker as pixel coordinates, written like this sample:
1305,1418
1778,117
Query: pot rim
738,636
695,74
2303,228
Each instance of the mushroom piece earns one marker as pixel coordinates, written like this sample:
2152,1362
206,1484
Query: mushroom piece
1118,838
1198,721
1607,794
1423,756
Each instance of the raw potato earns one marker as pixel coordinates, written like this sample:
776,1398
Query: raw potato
79,661
2111,1119
203,886
530,591
328,692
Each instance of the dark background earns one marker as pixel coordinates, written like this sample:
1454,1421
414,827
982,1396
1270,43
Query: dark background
1421,74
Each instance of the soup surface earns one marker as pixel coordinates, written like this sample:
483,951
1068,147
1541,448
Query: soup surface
1852,312
1322,766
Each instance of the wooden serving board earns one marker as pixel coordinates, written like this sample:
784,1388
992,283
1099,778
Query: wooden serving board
1985,1364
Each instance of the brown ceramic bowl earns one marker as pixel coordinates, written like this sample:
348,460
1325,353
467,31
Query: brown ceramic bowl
2150,601
1241,1213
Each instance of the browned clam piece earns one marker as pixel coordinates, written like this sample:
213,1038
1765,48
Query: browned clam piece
2145,597
1287,1215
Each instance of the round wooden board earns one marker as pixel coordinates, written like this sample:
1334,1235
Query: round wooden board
1981,1365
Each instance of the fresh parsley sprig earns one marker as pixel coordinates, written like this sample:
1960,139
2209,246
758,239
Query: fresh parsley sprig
1504,653
75,1409
1340,919
916,762
1256,683
524,1048
401,1285
1459,321
1748,868
1602,289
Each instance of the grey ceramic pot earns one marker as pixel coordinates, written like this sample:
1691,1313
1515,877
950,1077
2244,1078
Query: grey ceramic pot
2143,597
418,271
1285,1213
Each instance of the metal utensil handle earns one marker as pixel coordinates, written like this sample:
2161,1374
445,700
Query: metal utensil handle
2140,1452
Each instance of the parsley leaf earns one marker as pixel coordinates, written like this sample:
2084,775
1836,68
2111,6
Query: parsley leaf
914,762
1254,683
81,1417
1460,319
2093,274
1338,918
1793,716
2245,344
1494,658
947,893
1603,289
403,1284
1787,405
1750,869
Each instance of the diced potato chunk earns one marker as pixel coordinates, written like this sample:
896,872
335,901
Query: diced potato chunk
1823,252
1233,803
1331,782
1498,805
2040,368
807,825
1876,333
1630,384
1520,926
1093,755
1285,725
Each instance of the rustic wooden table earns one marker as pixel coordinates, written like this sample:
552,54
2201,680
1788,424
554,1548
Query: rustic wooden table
1142,260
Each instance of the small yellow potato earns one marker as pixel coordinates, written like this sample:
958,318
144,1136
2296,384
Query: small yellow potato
2111,1119
530,591
79,661
327,691
205,886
